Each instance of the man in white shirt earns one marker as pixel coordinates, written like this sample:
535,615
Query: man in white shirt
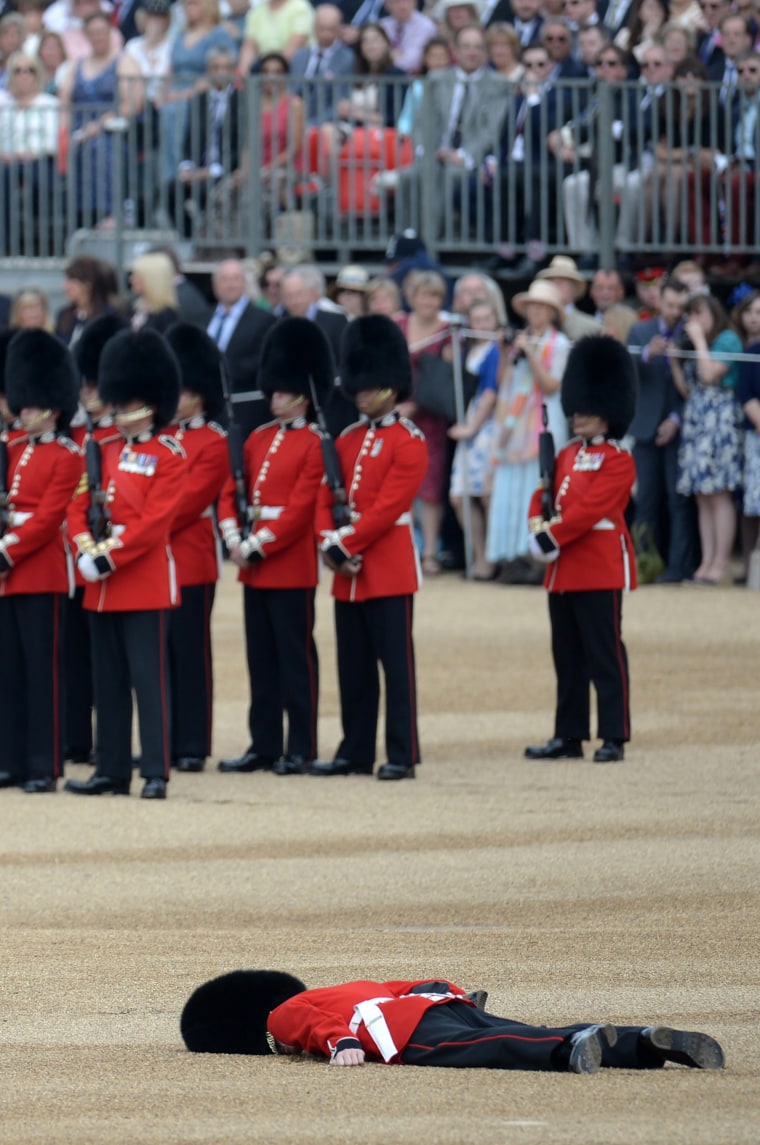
321,64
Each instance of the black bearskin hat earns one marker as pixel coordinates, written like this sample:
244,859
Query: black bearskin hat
92,342
5,340
600,379
140,365
294,351
228,1015
39,371
374,355
200,365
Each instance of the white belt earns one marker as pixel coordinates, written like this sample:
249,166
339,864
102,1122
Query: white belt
605,523
371,1016
20,518
268,512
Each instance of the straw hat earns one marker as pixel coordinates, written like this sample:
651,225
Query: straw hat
562,266
352,277
543,292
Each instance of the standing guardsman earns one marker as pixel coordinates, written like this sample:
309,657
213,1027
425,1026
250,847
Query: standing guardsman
131,576
383,458
195,543
588,551
277,552
41,467
99,429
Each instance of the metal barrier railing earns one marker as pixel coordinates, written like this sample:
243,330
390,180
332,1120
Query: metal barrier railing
631,172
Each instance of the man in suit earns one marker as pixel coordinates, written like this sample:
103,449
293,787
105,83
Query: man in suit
528,21
709,48
326,59
656,428
238,328
211,144
577,144
468,103
558,41
303,296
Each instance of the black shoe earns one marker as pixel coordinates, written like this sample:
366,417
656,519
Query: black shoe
396,771
154,788
610,752
97,785
699,1051
189,763
479,997
7,779
587,1047
292,765
668,578
556,748
39,786
339,767
524,268
249,761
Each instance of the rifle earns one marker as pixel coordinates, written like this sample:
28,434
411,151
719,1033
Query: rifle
98,516
237,465
341,513
546,465
4,512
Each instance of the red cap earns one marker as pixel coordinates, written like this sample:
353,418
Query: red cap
650,274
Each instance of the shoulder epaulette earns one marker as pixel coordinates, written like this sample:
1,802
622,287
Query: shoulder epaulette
315,429
412,429
67,443
171,444
217,428
266,425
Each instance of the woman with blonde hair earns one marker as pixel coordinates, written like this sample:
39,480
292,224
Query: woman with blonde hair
618,322
152,281
29,126
383,297
30,310
504,51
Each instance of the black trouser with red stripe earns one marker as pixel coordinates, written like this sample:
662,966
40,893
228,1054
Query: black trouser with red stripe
283,669
77,678
129,653
30,685
369,632
588,648
191,673
459,1036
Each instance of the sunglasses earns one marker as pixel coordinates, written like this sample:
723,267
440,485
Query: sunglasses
750,70
654,64
557,39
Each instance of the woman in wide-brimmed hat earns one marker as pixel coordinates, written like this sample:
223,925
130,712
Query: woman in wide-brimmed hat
533,376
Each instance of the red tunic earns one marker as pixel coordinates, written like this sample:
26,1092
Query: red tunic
42,478
194,539
382,1015
383,464
144,482
283,465
592,487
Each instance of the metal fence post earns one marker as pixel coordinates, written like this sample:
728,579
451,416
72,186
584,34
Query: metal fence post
605,181
253,231
429,177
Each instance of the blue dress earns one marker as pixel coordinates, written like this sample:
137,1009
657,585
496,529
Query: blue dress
90,98
474,456
710,457
188,65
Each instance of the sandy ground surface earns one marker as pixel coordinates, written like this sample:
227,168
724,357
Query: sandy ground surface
570,891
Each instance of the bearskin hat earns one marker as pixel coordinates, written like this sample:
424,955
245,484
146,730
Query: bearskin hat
92,342
200,364
600,379
5,339
140,365
374,355
39,371
228,1015
294,354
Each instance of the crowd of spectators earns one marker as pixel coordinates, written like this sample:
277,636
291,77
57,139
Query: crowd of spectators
695,437
515,146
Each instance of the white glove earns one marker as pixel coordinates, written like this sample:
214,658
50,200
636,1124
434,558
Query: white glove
88,568
538,553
